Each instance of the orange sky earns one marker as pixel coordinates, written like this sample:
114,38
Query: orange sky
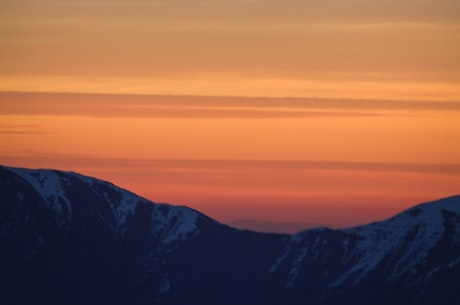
337,113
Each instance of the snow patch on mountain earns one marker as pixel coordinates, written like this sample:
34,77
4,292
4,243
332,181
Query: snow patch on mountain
296,251
292,242
169,223
173,224
124,210
398,246
400,240
295,266
123,204
49,185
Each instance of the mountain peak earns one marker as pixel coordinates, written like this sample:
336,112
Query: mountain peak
451,203
64,192
88,238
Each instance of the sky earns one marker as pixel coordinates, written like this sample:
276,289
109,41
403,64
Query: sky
329,112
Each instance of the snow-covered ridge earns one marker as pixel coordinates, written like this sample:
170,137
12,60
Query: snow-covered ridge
297,249
50,186
123,205
169,223
412,232
400,244
174,224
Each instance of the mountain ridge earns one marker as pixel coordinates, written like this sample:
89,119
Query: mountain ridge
108,245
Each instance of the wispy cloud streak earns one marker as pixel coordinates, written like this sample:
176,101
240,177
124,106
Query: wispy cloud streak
227,166
23,129
164,106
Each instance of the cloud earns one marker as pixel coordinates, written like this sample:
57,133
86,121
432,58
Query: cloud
20,132
169,106
22,129
228,167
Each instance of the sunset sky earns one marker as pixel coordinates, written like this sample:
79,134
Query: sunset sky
334,112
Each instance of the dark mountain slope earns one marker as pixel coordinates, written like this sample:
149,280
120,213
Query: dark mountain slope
71,239
412,258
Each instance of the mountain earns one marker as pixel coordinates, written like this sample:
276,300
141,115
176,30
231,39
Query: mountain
70,239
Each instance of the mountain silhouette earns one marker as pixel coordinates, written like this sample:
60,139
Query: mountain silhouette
70,239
